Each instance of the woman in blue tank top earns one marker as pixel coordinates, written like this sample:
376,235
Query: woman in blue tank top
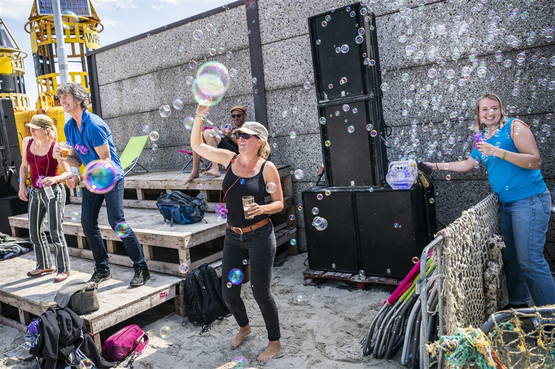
249,237
508,150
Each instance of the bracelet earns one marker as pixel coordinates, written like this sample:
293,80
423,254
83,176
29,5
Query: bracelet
504,155
437,167
201,116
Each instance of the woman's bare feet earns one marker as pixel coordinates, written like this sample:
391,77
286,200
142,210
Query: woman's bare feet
191,176
273,348
240,337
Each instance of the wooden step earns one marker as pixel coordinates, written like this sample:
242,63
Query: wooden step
22,298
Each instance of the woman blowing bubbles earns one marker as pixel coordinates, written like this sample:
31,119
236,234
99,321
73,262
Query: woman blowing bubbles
509,151
249,236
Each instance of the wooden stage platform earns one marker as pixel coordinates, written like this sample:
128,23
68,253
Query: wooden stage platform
23,297
166,247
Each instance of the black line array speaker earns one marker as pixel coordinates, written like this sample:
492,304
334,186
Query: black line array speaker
377,230
347,79
10,160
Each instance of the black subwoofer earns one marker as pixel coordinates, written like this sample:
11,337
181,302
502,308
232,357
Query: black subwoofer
375,229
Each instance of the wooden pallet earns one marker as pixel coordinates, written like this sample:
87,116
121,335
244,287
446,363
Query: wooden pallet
165,247
23,297
142,190
312,277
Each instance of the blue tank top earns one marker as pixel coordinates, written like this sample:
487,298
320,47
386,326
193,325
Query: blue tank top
510,182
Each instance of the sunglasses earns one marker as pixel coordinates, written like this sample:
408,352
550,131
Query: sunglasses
243,135
236,115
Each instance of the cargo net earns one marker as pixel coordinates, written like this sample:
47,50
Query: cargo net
523,338
470,264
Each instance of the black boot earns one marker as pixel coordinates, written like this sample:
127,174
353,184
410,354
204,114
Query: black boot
98,277
140,277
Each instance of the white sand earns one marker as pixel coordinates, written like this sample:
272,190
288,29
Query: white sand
322,331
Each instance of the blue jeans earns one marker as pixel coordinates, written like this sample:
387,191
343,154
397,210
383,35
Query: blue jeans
91,205
524,226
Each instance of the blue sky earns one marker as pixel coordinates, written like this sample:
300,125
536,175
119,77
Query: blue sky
121,19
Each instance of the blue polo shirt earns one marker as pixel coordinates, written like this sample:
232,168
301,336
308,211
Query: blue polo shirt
94,132
510,182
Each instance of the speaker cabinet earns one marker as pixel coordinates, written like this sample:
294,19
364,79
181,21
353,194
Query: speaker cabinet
375,229
347,80
334,248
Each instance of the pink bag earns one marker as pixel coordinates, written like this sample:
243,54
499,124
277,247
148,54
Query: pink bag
128,340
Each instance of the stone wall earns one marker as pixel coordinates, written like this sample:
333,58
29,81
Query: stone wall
437,58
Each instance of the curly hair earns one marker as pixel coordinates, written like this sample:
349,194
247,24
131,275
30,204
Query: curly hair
77,91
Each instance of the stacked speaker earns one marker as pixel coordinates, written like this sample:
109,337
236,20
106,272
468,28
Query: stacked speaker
366,227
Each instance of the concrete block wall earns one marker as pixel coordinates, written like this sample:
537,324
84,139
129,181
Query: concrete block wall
137,77
437,58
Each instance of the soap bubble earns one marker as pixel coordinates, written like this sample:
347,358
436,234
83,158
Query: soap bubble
324,24
178,104
271,187
183,268
165,111
415,259
228,284
355,110
240,362
327,192
319,196
432,73
122,229
306,85
188,123
292,217
298,174
197,34
327,143
100,176
235,276
373,133
344,48
351,129
481,71
343,80
322,120
293,242
320,223
346,107
359,39
292,135
165,332
146,128
397,225
211,83
193,64
154,136
86,364
315,211
369,127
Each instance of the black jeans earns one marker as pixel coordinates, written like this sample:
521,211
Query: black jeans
258,248
89,220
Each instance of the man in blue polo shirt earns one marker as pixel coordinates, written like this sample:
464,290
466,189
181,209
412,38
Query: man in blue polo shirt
90,139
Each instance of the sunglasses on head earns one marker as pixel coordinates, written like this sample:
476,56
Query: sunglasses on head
236,115
243,135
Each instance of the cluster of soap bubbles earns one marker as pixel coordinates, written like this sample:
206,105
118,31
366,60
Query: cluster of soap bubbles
100,176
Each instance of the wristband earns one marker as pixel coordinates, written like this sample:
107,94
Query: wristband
504,155
437,167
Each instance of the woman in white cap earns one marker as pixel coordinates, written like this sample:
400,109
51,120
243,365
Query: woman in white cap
249,237
46,196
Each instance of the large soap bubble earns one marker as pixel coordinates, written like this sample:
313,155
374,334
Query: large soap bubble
100,176
211,83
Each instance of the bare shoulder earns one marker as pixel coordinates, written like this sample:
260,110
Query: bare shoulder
269,167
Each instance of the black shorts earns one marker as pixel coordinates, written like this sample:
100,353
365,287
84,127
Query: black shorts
228,144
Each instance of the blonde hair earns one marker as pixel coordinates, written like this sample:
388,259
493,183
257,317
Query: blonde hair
264,149
52,132
478,126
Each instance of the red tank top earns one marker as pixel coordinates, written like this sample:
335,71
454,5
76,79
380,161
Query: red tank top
41,166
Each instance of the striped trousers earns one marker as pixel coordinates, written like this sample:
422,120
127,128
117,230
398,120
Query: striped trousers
39,207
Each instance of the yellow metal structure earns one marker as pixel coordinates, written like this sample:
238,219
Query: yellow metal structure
80,36
12,68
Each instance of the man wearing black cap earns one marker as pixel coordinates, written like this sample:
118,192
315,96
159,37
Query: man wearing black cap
223,140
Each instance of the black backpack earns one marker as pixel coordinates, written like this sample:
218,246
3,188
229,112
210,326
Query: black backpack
177,207
203,297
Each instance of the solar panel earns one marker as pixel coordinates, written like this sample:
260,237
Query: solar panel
79,7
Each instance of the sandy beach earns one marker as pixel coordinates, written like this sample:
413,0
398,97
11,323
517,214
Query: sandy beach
321,328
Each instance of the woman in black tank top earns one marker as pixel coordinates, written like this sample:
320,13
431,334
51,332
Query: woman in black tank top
249,238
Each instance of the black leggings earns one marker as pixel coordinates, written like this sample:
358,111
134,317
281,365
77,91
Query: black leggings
258,249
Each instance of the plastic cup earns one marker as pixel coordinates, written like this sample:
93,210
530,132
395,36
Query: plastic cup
247,202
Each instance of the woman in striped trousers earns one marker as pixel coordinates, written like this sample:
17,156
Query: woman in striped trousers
46,196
